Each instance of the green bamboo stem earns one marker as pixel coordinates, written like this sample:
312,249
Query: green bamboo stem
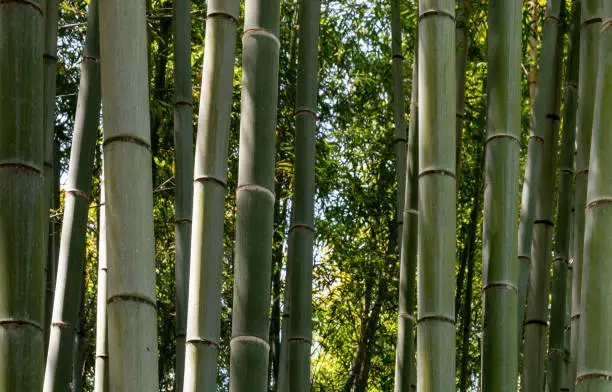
255,198
183,140
101,381
66,304
210,174
22,276
499,354
437,197
541,107
131,300
590,22
557,351
546,117
301,233
50,71
404,354
80,347
398,112
461,51
594,370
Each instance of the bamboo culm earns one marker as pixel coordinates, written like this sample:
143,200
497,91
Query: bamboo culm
209,190
71,262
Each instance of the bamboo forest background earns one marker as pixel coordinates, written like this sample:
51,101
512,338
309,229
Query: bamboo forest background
356,266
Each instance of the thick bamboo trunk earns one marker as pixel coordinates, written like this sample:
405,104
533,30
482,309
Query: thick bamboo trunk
301,232
502,147
101,381
21,196
183,140
66,305
131,300
210,175
255,198
558,355
546,122
437,197
404,355
547,117
590,22
594,372
51,204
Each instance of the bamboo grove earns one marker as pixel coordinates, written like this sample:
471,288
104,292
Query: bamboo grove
305,195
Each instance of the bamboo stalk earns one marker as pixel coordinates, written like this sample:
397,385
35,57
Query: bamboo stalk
594,372
558,354
502,147
255,198
590,22
21,200
209,188
131,301
183,140
437,197
58,373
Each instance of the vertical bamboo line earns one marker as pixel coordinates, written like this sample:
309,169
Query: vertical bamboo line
209,189
183,140
22,278
437,197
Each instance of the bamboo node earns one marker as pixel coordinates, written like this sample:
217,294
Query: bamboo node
438,171
542,323
543,222
90,59
584,172
398,57
553,116
183,221
80,193
127,139
131,298
180,102
527,258
257,188
432,13
251,339
262,31
405,315
441,318
412,212
503,136
305,111
460,115
301,226
536,138
202,341
102,356
21,166
593,376
553,18
597,203
400,140
557,352
575,317
299,340
502,285
21,323
562,259
589,21
62,325
224,15
25,2
49,56
203,179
